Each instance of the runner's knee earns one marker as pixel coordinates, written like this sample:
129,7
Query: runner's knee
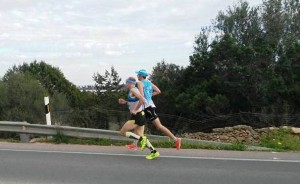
122,132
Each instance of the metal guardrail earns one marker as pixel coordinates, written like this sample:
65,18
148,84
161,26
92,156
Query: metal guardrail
25,129
37,129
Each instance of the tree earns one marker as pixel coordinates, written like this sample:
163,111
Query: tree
107,83
23,100
51,78
22,103
246,61
108,89
3,101
168,78
245,58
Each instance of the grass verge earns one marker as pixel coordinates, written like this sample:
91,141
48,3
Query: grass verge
13,140
281,140
185,145
60,138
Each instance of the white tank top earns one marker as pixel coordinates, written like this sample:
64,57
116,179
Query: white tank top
132,100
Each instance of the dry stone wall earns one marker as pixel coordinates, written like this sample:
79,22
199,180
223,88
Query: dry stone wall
240,133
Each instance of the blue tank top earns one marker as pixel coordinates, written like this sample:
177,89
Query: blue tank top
148,90
132,100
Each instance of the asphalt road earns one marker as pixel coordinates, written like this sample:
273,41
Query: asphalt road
67,164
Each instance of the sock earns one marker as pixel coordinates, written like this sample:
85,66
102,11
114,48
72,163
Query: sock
135,142
149,145
132,135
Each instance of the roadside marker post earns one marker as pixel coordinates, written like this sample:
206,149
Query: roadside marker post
47,110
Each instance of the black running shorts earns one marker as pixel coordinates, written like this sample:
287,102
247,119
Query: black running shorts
150,113
139,118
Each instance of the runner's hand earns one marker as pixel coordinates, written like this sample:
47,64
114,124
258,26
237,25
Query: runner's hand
122,101
134,112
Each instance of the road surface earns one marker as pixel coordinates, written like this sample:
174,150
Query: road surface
77,164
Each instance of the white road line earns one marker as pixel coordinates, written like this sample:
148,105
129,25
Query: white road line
178,157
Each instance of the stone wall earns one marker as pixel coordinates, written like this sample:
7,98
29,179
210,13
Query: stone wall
240,133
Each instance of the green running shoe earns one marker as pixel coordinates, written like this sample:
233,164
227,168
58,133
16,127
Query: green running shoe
153,156
143,142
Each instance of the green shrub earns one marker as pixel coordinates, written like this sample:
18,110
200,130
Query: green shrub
281,139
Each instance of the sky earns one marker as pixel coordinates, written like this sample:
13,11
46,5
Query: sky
84,37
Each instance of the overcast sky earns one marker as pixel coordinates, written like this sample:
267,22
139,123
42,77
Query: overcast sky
82,37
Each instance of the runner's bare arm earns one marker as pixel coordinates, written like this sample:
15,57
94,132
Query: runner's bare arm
156,90
141,100
140,86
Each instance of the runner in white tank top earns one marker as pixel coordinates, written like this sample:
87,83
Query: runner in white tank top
137,120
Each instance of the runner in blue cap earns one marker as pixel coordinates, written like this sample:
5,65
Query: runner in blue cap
148,89
135,100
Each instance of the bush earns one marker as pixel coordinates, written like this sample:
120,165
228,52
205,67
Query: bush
281,139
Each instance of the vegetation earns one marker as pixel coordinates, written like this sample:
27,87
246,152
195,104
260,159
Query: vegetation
12,140
20,102
248,61
59,139
24,87
280,140
187,145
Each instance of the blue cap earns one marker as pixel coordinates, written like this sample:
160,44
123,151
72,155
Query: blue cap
142,72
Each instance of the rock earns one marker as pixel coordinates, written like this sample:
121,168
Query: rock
242,127
296,130
256,136
240,139
273,128
285,127
232,139
224,137
241,133
228,129
218,130
249,132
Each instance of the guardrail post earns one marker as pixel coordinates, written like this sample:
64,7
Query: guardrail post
24,138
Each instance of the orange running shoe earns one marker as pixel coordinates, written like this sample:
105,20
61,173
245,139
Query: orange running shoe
178,143
131,146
